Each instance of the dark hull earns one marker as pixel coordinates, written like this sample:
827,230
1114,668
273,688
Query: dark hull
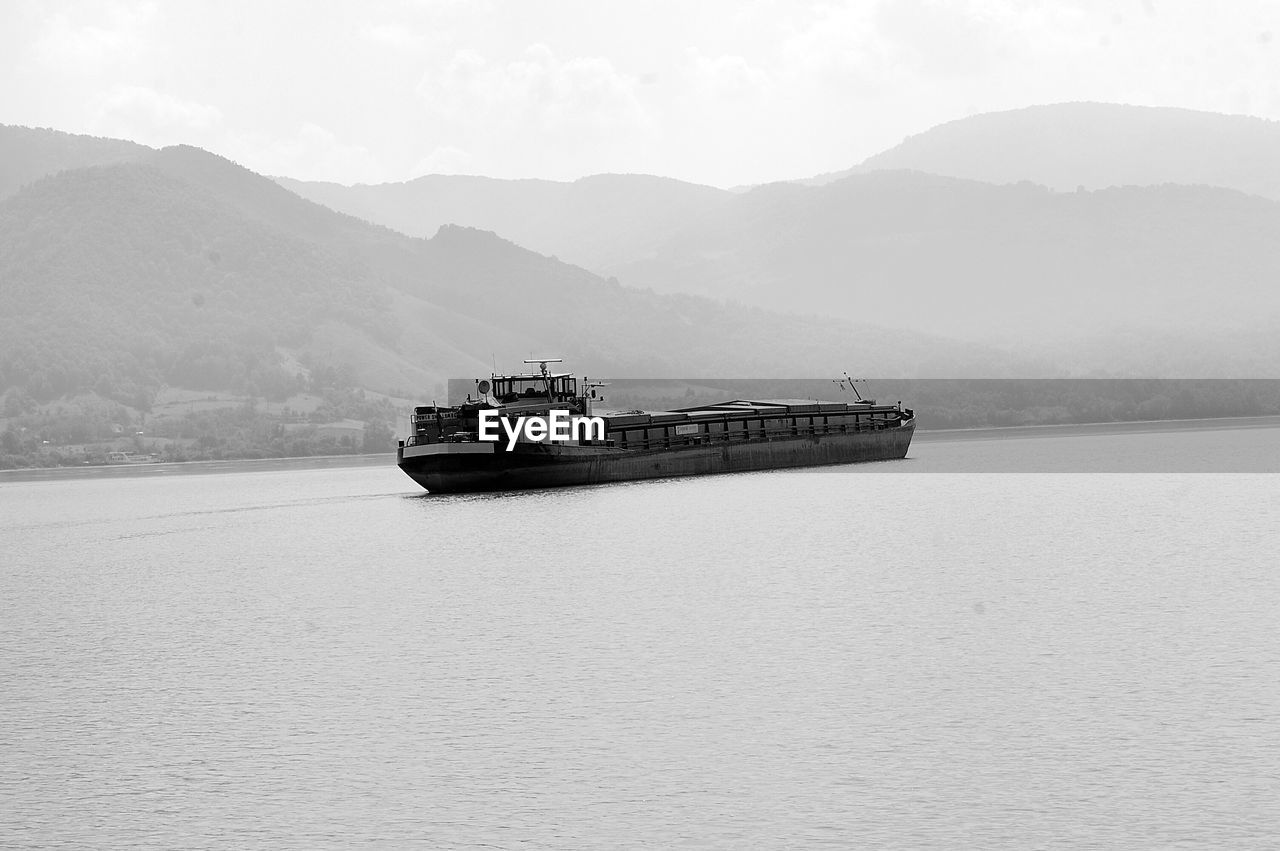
552,465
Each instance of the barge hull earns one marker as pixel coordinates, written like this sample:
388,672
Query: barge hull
546,465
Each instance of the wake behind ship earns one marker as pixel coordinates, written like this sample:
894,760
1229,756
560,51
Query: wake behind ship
446,452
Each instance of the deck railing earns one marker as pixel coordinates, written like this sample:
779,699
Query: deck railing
738,435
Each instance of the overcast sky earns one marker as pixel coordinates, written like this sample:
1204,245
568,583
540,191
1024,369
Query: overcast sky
715,92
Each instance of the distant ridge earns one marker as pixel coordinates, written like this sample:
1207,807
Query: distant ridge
585,222
27,154
181,268
955,233
973,260
1168,279
1094,145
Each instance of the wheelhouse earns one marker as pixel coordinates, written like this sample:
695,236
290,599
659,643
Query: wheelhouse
558,387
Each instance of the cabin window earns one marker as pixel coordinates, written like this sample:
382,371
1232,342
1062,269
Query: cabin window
513,388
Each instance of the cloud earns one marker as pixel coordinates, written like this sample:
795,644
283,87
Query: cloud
728,77
945,37
155,118
392,35
721,91
444,160
839,46
312,153
158,119
65,45
575,115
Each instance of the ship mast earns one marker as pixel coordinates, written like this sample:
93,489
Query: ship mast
546,373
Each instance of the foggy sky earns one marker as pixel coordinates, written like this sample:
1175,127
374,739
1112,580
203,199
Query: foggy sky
721,92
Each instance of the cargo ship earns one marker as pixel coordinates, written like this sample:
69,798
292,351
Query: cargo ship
460,448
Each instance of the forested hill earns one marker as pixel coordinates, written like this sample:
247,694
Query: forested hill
185,269
28,154
123,278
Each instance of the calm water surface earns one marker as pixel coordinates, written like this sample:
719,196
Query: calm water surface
302,658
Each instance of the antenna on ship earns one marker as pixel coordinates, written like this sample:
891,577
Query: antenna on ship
856,394
546,373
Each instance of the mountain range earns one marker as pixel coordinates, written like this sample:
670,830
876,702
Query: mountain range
971,260
1094,146
178,267
1036,242
589,222
1106,238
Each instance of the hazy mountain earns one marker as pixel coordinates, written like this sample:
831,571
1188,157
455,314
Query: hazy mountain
969,259
185,269
28,154
1133,277
1094,145
588,222
1161,280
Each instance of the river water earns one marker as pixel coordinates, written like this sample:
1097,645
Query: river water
276,656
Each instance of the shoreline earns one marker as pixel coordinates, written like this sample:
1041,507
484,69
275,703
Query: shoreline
238,465
1088,429
320,462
